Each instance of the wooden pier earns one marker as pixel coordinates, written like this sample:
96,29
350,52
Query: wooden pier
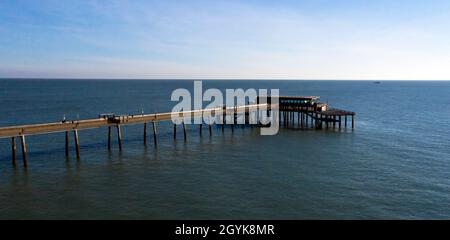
310,113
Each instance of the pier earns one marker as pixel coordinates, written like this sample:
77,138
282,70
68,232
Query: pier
299,111
307,112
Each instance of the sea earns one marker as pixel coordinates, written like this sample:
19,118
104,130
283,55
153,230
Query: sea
395,163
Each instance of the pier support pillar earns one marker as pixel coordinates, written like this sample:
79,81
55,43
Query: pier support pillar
145,133
13,150
154,133
317,121
340,121
234,118
210,126
306,120
67,144
345,121
77,146
353,121
301,120
323,117
288,118
233,121
224,119
200,128
280,113
174,132
119,137
184,131
293,118
24,150
223,126
109,137
314,125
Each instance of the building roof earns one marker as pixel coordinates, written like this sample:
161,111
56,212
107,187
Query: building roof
299,97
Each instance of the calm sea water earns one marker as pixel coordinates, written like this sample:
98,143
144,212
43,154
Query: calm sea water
395,164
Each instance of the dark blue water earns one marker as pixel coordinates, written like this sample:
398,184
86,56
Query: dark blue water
395,164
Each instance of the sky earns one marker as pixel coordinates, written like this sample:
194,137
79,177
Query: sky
144,39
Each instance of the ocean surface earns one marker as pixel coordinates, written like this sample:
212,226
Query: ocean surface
394,165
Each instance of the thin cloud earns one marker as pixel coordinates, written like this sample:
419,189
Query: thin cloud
226,39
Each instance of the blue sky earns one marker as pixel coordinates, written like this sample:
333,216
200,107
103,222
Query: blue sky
225,39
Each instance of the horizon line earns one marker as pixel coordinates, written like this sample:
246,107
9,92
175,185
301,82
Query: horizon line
218,79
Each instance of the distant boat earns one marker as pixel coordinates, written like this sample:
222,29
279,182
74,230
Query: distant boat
377,82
